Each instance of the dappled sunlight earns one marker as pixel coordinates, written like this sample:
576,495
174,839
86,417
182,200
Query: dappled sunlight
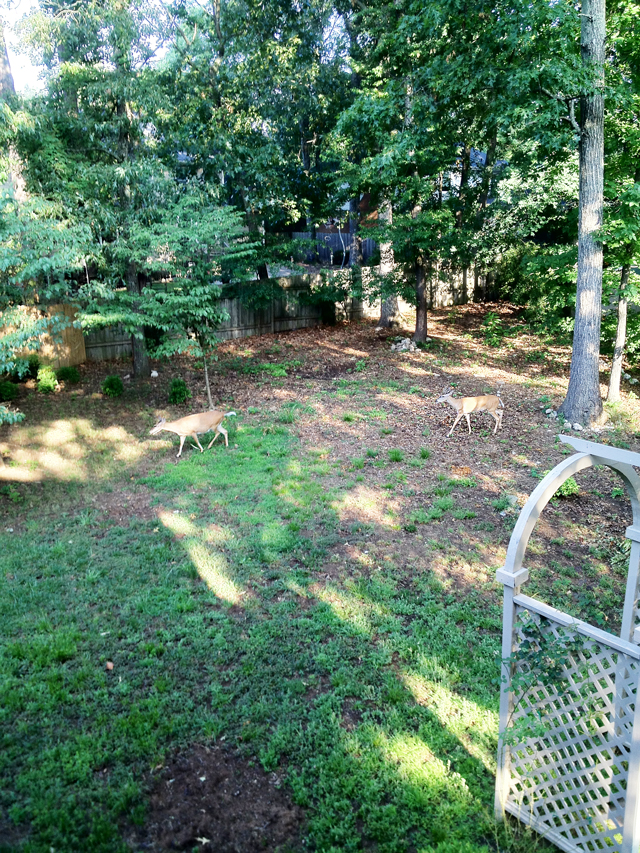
71,450
349,608
212,566
178,524
416,764
367,504
466,719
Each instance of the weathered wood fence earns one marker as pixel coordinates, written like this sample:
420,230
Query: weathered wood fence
289,310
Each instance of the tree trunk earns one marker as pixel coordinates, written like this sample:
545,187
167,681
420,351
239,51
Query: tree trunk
206,376
583,402
420,333
141,365
464,180
389,307
6,77
613,395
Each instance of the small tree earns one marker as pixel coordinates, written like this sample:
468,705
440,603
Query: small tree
192,247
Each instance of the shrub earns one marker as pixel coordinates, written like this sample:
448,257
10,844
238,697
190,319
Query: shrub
47,381
34,367
68,374
8,391
112,386
568,489
178,392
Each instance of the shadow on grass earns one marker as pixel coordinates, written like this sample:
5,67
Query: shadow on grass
371,690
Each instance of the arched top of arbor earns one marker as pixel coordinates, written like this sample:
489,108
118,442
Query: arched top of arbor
513,574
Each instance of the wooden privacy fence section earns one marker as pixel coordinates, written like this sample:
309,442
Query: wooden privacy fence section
569,749
290,309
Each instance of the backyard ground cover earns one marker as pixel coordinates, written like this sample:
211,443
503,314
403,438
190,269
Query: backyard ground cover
291,643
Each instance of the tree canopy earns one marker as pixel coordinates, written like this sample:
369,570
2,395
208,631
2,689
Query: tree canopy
465,120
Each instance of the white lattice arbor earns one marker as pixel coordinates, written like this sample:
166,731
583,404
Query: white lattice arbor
576,778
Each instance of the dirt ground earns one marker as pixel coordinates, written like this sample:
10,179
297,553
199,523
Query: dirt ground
207,794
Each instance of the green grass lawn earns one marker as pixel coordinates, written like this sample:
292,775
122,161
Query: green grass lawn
374,691
231,613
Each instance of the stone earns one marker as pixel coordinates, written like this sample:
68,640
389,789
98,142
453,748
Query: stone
154,374
578,427
633,381
547,411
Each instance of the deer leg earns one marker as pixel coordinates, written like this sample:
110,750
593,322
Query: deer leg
195,435
222,431
182,438
213,439
454,424
468,423
499,415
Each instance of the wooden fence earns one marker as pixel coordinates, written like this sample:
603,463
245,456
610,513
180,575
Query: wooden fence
289,310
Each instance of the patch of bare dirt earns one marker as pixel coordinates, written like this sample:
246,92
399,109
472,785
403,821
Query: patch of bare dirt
122,505
208,799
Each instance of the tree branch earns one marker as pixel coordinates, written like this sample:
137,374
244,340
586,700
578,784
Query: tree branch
570,105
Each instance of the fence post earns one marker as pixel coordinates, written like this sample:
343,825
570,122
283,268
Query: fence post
512,583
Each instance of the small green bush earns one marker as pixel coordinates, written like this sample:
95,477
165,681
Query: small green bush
112,386
178,392
425,453
8,391
34,367
68,374
396,455
501,503
47,381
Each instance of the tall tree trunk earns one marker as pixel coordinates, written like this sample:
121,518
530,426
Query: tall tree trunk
141,365
613,394
583,402
389,307
420,333
6,77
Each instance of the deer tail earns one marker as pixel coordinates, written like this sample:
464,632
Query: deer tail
227,414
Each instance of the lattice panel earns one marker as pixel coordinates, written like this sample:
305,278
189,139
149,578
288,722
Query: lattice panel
571,780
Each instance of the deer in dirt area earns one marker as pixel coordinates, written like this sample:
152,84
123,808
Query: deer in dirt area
194,425
465,405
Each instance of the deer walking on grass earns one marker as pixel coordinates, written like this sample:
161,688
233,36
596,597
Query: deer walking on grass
465,405
194,425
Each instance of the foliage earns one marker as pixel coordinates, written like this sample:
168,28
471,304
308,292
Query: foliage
8,391
178,392
47,381
112,386
68,374
494,330
544,657
9,417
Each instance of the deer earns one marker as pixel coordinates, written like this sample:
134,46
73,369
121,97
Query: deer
465,405
193,425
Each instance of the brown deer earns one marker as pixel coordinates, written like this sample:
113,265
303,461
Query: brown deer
465,405
194,425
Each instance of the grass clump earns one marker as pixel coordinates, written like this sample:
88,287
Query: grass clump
178,391
371,453
68,374
425,453
47,380
8,391
112,386
501,503
396,455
